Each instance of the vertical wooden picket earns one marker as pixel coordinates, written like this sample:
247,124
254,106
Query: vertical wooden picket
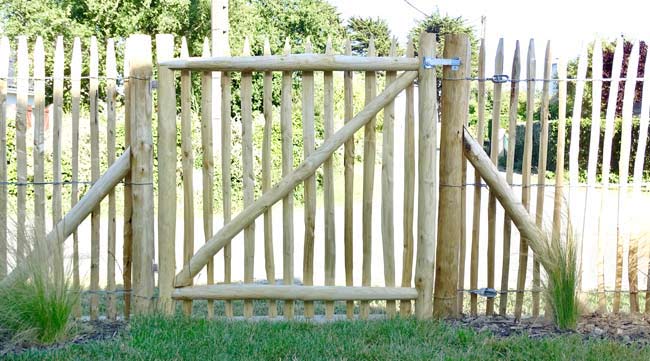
348,165
57,117
75,90
476,216
22,86
226,182
310,183
526,169
39,139
606,160
409,188
328,183
269,261
93,93
623,233
510,163
369,140
127,234
541,171
187,166
494,157
387,216
208,164
248,175
111,76
287,166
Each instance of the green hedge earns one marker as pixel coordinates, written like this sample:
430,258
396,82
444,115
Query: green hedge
583,155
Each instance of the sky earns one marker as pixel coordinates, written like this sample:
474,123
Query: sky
568,24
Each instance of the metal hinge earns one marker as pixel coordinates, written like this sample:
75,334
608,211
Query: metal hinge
430,62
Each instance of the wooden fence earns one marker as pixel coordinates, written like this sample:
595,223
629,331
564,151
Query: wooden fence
438,222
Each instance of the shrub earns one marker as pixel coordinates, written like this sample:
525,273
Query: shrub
38,307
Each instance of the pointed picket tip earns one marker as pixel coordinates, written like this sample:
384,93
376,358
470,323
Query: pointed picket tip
328,45
348,47
287,46
39,59
206,48
308,45
410,50
4,57
371,47
246,51
184,52
111,68
393,47
267,47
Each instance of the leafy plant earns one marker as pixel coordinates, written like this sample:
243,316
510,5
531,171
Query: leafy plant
38,307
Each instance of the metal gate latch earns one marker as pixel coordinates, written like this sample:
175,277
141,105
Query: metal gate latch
430,62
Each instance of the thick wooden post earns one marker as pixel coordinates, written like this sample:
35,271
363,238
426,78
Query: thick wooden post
454,103
166,173
427,179
127,247
142,171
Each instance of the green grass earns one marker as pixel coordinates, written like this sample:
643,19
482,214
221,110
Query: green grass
159,338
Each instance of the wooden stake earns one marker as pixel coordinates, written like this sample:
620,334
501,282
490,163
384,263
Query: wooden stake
286,128
4,73
111,94
623,214
142,172
427,179
369,148
248,175
348,165
39,139
494,157
455,105
526,169
166,173
328,184
387,173
409,189
127,248
510,163
266,178
606,161
476,216
187,159
290,181
541,172
310,183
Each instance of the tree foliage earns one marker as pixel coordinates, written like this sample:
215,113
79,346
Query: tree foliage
360,30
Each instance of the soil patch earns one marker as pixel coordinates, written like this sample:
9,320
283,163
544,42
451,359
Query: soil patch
84,331
625,328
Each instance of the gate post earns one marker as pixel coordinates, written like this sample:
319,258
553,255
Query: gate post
142,172
454,104
427,178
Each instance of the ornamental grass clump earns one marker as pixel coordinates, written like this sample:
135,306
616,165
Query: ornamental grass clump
37,308
559,257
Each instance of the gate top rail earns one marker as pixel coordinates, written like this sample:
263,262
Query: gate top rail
294,62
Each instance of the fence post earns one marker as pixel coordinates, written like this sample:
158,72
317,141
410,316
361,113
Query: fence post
454,103
166,173
142,171
427,179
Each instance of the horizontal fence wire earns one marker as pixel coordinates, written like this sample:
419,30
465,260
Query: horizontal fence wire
501,78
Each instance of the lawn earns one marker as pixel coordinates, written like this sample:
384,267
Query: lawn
158,338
